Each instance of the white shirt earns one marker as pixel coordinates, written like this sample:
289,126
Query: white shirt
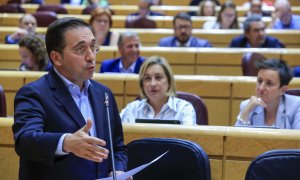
174,109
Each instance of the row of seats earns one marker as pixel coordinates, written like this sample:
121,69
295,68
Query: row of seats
117,9
221,94
7,19
188,61
232,151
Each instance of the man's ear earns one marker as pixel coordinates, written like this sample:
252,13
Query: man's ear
56,58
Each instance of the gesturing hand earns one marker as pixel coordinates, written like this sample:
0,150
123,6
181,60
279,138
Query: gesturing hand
85,146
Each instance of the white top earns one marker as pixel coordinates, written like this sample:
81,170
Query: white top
211,25
174,109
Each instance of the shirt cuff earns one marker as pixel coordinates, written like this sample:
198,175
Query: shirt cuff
59,150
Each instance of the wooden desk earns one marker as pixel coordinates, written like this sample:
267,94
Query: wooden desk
230,153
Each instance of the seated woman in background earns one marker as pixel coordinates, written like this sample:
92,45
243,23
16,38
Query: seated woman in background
158,93
227,18
33,54
271,107
101,21
207,8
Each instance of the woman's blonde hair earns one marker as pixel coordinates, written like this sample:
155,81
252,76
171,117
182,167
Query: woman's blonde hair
167,69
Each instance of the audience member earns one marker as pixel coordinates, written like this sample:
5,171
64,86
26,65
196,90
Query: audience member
130,60
27,26
101,20
144,9
157,87
197,2
33,54
283,18
227,18
206,8
60,126
255,36
182,25
271,106
256,8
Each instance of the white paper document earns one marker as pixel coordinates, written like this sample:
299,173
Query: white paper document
132,172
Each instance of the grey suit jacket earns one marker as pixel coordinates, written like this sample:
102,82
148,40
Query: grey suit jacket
288,114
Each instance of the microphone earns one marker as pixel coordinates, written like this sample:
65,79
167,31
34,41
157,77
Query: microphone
106,102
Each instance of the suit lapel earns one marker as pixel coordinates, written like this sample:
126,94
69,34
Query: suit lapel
62,94
96,98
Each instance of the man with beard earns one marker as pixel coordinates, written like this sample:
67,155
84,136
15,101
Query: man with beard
130,60
182,25
255,36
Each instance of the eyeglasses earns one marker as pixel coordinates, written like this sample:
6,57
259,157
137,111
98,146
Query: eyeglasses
183,27
83,51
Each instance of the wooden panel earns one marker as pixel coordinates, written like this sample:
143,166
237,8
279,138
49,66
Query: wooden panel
235,170
216,169
9,166
218,111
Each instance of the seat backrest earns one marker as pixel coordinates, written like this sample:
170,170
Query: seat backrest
295,92
136,22
185,159
57,8
199,106
275,165
44,18
2,103
11,8
88,9
248,66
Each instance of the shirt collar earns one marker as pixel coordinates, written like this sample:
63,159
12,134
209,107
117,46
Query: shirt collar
187,44
129,70
68,83
170,104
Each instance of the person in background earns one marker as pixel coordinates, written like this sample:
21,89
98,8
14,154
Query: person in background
60,125
256,8
182,26
255,36
27,26
33,54
101,21
206,8
270,106
227,18
144,10
130,61
158,92
282,18
197,2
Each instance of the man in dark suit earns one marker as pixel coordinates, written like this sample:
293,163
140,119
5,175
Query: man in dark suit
130,60
60,129
182,25
255,36
144,9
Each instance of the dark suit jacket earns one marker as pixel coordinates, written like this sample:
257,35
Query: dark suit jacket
270,42
195,42
112,65
44,111
67,1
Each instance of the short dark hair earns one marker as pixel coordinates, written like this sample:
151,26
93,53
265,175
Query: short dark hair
284,71
183,16
55,40
249,20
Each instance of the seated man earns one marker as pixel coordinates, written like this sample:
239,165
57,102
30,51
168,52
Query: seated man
27,26
130,60
255,36
182,25
256,8
283,17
